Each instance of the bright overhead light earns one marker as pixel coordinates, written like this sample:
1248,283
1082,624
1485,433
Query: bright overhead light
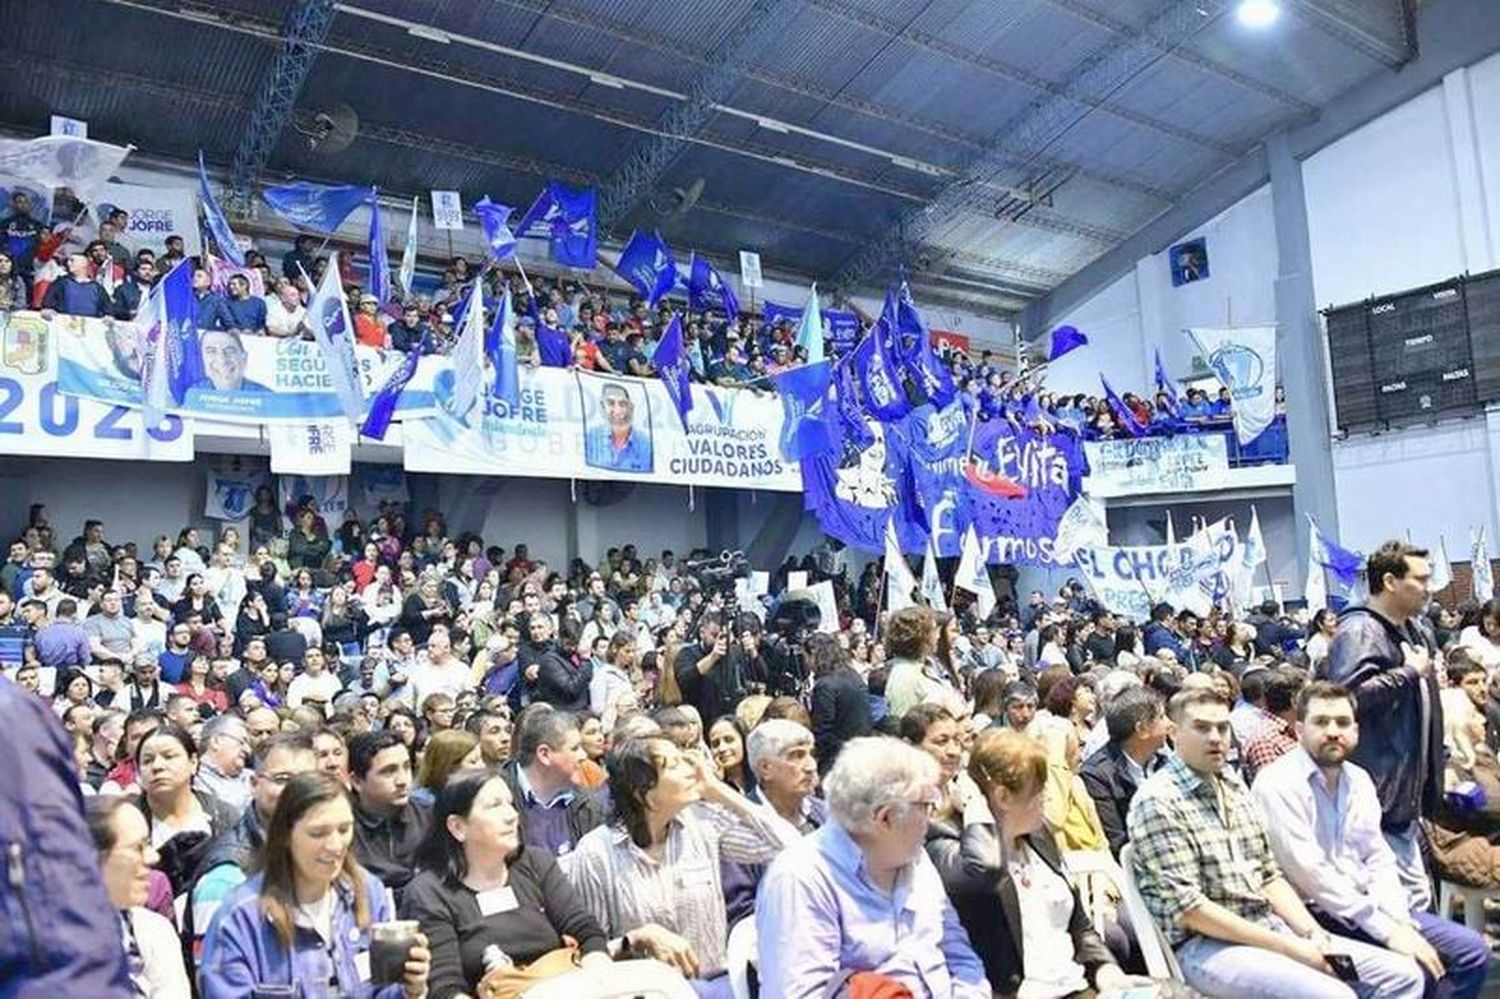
605,80
1258,13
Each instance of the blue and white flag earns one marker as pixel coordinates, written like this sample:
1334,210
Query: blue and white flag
673,367
1164,384
408,269
62,161
566,218
879,380
646,264
932,581
852,425
707,288
1343,563
383,406
213,215
810,328
1127,418
328,318
899,581
169,320
380,262
805,431
1244,359
1483,572
500,346
499,241
468,357
973,575
926,370
1442,569
319,207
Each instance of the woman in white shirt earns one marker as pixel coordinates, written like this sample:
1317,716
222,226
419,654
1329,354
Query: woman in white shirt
1482,636
153,951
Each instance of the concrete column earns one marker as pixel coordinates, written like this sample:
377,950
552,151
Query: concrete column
1301,350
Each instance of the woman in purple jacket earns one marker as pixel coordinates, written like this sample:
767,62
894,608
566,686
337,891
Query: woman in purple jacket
301,927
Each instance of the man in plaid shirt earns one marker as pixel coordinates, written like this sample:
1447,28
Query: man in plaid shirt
1203,862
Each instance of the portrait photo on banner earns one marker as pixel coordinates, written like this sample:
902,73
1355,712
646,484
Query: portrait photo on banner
617,425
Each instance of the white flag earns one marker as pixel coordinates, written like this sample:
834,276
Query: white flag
1442,569
932,583
468,357
328,318
973,575
1244,359
408,268
1316,591
1082,526
1171,530
62,161
899,582
1252,557
1484,577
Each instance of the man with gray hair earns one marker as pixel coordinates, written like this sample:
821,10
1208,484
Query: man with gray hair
555,812
1110,686
860,894
780,752
224,747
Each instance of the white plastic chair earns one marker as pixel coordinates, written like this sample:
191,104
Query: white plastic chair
1470,898
740,955
1093,872
1161,962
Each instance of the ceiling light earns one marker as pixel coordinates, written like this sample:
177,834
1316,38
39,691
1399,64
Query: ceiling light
605,80
431,34
1258,13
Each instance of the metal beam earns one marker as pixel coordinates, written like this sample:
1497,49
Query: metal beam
645,166
306,26
1326,16
1030,134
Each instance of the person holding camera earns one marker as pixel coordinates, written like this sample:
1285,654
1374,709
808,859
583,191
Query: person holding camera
709,671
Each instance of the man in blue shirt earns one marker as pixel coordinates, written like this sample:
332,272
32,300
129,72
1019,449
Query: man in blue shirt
618,444
241,310
76,293
1220,408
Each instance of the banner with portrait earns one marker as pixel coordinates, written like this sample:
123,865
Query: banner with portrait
246,379
580,425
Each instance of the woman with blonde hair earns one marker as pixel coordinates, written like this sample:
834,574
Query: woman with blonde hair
1069,809
447,752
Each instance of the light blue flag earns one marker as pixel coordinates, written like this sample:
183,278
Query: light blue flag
408,269
646,263
500,346
810,328
499,241
328,318
213,215
319,207
380,263
673,367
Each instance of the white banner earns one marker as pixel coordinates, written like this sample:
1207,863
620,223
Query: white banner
1194,574
447,210
1244,359
579,425
36,418
324,448
154,213
229,495
1182,463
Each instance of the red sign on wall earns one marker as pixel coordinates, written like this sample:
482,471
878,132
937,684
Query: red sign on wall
955,341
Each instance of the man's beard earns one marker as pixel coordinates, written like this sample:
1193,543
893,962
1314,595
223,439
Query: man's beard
1331,754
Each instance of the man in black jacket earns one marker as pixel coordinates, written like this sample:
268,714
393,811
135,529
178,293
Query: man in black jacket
546,673
1384,656
555,812
1137,723
1272,634
708,672
388,825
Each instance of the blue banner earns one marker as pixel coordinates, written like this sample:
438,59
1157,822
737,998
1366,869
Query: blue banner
318,207
646,263
879,380
1048,469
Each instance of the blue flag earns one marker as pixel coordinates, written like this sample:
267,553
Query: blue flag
1127,418
551,343
843,330
804,430
673,367
1164,383
499,241
380,263
213,215
170,361
1064,339
1343,563
646,263
879,380
707,288
383,406
500,347
852,425
318,207
565,217
774,312
922,364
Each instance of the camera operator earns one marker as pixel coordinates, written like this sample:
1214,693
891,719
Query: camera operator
768,663
708,671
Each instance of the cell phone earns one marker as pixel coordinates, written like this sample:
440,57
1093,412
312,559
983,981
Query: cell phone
1343,967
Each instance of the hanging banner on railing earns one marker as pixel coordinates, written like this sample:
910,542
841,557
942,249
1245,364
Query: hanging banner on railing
1182,463
1194,574
246,378
578,425
38,418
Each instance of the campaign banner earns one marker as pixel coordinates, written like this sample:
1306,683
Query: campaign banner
230,494
1195,574
579,425
38,418
324,448
1181,463
246,379
153,214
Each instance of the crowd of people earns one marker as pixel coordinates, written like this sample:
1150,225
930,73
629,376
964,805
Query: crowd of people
287,739
70,270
